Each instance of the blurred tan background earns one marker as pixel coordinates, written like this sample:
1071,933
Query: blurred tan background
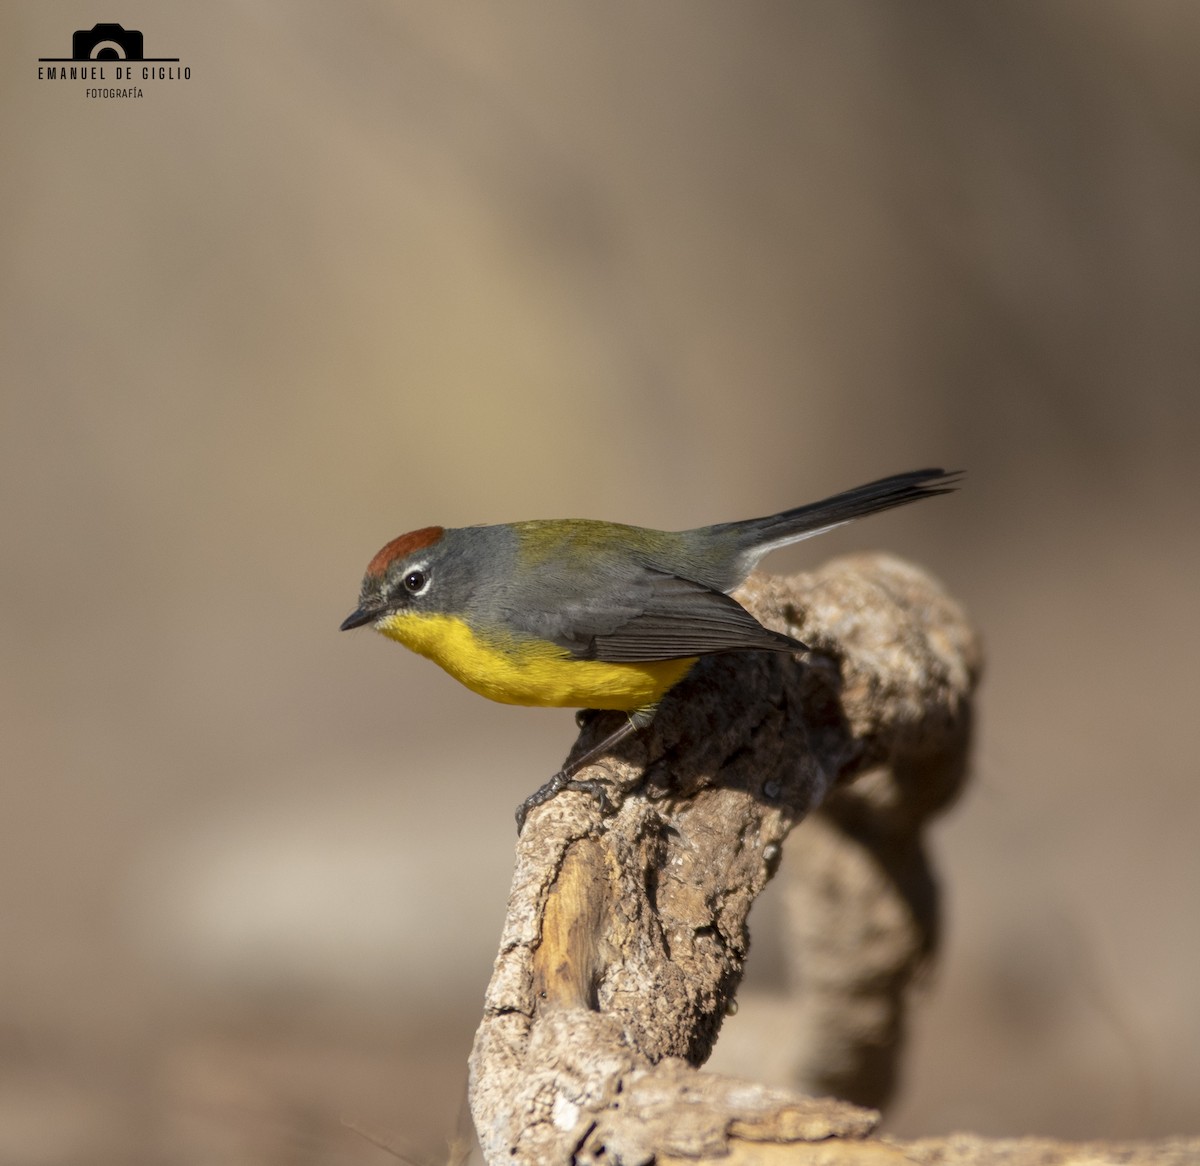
377,266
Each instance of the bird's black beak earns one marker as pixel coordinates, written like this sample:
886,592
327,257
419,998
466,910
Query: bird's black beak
358,617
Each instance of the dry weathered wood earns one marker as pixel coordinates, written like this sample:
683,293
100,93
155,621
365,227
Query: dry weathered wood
863,916
626,936
972,1150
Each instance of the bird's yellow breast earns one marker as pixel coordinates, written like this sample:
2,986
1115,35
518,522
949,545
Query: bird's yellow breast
531,672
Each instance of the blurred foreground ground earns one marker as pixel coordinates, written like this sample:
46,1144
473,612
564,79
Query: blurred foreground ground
378,266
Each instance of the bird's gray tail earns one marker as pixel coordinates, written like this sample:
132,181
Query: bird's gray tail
757,536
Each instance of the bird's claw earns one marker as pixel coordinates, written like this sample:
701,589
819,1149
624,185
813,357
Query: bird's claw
564,781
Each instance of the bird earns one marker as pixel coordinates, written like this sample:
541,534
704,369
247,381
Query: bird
586,614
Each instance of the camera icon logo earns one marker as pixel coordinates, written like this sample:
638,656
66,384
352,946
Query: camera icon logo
106,42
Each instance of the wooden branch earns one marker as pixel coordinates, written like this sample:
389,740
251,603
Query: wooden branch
626,935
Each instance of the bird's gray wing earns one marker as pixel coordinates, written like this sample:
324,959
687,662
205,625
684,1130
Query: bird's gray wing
648,615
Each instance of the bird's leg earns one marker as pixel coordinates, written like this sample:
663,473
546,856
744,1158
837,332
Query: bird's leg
565,777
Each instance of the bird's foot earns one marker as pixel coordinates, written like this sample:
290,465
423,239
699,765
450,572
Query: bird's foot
565,777
563,780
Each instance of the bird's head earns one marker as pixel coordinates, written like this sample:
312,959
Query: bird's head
400,578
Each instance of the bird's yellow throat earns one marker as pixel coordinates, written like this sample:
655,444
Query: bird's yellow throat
531,672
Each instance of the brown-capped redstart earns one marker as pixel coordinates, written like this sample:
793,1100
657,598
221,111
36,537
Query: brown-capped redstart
579,613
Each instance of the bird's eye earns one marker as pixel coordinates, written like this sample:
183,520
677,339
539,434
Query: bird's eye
415,582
